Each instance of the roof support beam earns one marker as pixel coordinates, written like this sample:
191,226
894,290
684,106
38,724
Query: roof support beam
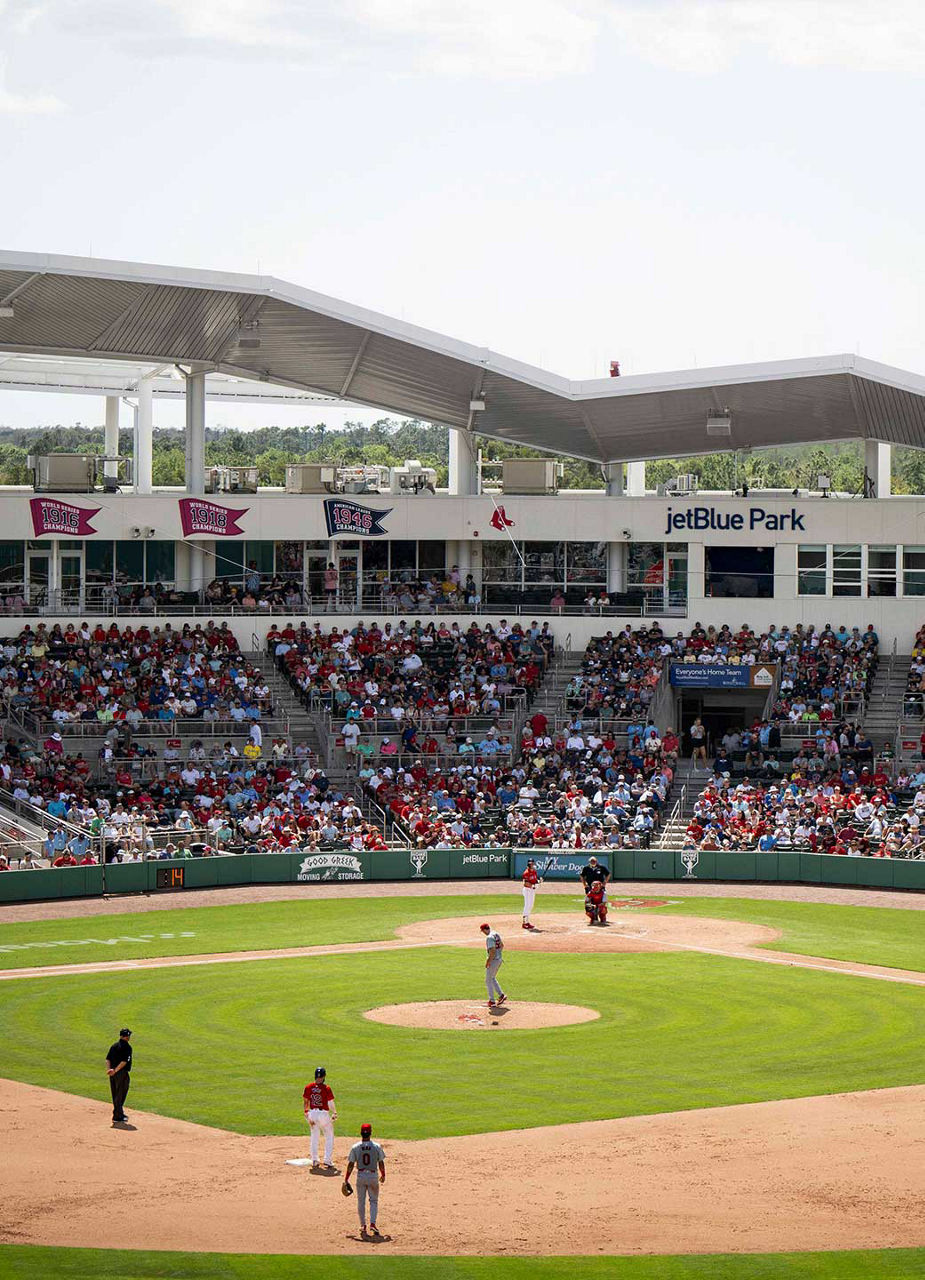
20,288
355,364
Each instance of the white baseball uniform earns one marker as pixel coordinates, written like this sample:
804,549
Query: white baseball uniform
367,1157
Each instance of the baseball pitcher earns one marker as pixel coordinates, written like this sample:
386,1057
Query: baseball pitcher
495,948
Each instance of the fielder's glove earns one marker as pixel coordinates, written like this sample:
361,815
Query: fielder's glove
346,1189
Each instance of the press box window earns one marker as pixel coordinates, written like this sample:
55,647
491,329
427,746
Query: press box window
914,571
811,570
881,571
846,571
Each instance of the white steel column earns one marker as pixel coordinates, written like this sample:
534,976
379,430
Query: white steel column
463,481
616,566
111,439
635,479
613,473
878,458
195,433
144,436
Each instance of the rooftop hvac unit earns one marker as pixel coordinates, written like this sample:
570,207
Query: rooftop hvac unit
412,478
231,479
309,477
62,472
530,475
679,486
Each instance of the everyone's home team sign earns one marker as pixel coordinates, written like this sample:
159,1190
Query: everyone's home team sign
353,519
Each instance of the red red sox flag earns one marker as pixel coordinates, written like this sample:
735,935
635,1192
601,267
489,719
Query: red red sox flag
199,516
499,520
50,515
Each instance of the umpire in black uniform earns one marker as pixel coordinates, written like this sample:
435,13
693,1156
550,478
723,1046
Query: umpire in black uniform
119,1068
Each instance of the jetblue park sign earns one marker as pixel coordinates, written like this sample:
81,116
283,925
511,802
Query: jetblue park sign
756,519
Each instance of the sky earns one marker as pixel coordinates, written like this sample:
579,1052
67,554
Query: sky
564,181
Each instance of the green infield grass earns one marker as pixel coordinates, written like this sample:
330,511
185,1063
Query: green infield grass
257,926
677,1031
867,935
22,1262
889,936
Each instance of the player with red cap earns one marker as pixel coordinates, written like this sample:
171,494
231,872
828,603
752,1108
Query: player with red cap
368,1158
493,963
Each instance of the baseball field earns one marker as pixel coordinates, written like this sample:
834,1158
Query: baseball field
710,1086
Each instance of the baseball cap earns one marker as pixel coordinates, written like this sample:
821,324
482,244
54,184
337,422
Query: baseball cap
484,926
365,1130
124,1031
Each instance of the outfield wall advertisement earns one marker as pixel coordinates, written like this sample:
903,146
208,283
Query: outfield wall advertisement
343,867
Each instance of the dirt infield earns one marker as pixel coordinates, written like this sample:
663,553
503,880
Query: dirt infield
472,1015
838,1172
626,931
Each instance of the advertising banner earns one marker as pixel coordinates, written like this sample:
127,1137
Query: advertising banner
51,516
557,864
199,516
353,519
696,675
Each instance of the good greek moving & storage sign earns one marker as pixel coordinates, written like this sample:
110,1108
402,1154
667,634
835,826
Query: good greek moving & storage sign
704,519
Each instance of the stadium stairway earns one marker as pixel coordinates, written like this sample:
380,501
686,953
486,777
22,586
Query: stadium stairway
883,713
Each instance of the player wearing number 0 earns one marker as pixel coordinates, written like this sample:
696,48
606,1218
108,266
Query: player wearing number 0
320,1112
369,1159
531,879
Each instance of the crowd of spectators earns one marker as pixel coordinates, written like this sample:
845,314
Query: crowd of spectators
854,812
574,789
195,803
428,674
107,675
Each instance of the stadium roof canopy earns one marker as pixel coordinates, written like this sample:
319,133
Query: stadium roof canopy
121,378
262,328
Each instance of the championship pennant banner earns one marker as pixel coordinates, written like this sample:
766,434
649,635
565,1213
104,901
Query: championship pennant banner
353,519
51,516
199,516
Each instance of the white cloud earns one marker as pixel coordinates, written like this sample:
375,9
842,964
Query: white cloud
26,104
709,36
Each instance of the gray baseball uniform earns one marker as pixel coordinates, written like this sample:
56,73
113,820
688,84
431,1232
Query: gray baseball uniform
495,948
367,1156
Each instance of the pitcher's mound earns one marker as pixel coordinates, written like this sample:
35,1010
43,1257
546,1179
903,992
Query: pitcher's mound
471,1015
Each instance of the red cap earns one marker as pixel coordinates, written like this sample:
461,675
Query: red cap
366,1128
484,926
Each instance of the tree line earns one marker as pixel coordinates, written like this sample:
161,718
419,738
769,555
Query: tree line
388,442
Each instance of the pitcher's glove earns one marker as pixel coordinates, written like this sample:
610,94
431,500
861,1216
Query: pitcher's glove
346,1189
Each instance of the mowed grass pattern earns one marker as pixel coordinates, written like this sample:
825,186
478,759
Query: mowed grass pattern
232,1045
258,926
891,936
868,935
18,1262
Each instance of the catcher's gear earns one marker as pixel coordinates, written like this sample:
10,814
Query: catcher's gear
320,1073
346,1189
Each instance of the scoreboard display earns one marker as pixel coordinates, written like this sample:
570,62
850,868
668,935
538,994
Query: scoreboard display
170,877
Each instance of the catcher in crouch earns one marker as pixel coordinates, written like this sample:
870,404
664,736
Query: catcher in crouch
369,1160
596,904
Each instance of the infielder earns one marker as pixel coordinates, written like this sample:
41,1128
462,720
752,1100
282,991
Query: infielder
531,878
320,1112
493,963
369,1159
